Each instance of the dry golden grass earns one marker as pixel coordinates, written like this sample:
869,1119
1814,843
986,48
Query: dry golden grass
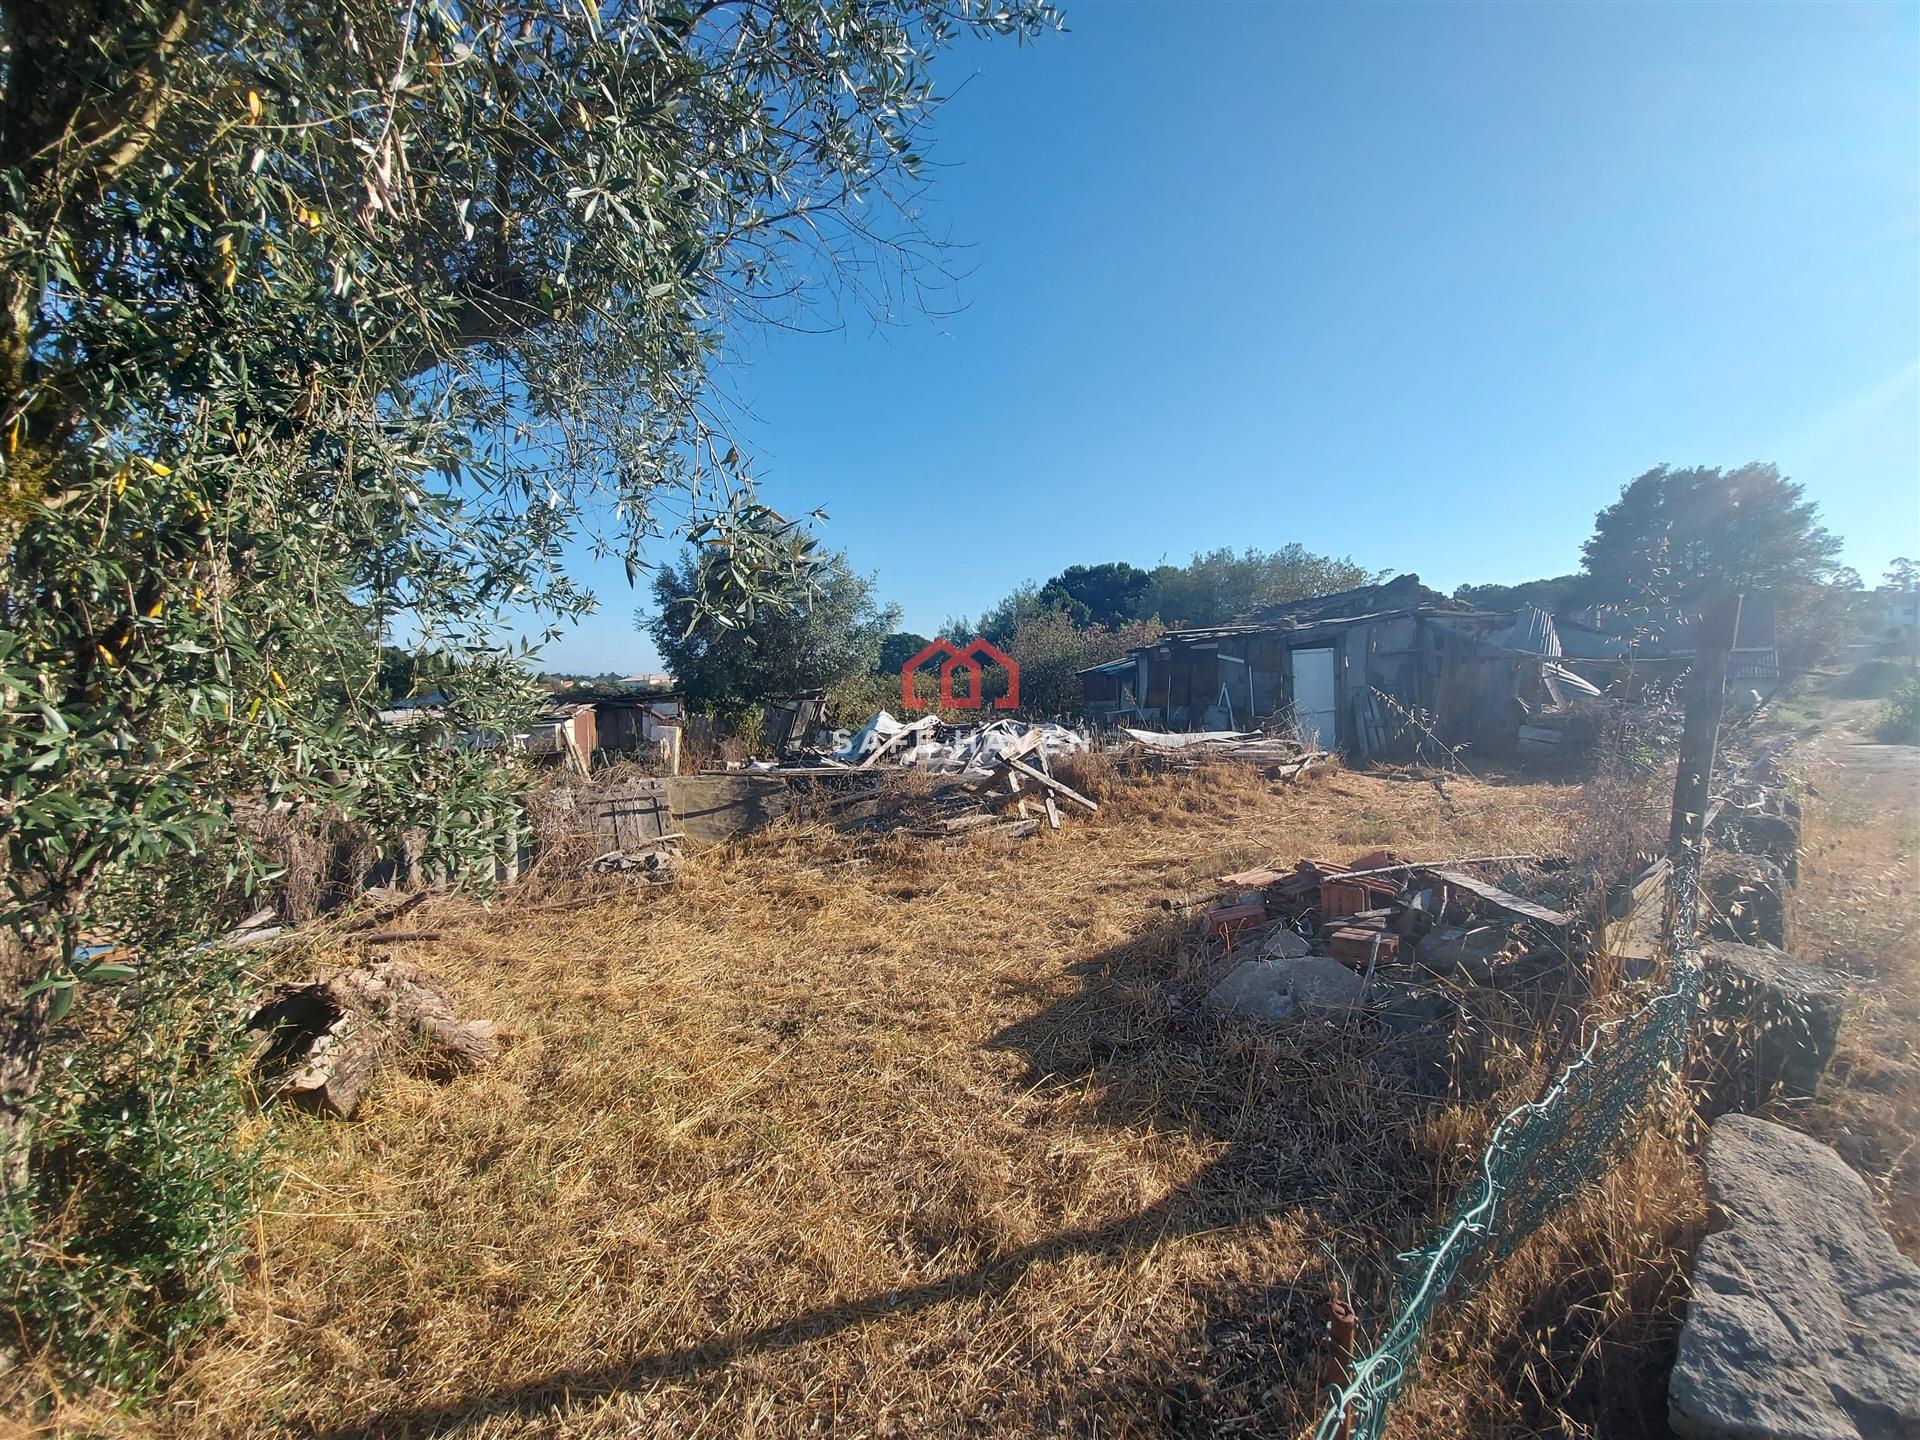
894,1140
1858,910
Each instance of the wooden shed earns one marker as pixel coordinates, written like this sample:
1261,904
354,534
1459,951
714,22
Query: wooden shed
1370,671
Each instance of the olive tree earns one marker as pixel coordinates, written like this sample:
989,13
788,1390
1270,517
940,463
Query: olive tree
727,660
328,323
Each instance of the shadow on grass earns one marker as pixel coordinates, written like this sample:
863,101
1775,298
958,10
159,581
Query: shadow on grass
1318,1127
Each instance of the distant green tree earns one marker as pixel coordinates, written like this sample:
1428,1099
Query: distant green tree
1210,589
1902,574
1051,651
1673,533
727,661
1218,585
896,650
1814,624
1106,595
998,622
1561,592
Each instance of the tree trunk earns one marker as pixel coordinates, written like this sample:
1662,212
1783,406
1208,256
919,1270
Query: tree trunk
23,1034
329,1039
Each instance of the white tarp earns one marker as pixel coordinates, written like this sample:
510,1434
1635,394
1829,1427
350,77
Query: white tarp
1161,740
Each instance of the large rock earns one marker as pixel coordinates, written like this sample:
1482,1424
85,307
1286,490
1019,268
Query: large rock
1284,944
1318,983
1780,1019
1271,990
1748,897
1254,990
1774,837
1804,1322
1405,1009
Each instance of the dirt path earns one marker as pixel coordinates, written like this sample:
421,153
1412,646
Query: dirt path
1858,910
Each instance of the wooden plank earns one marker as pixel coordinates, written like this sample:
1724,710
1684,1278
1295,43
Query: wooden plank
1506,900
1052,784
633,814
781,772
892,740
1008,829
1255,879
1053,810
1025,745
1259,879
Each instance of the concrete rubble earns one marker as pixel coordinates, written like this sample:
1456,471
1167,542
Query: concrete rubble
1377,920
1374,933
1273,990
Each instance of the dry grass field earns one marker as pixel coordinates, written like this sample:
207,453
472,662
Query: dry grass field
874,1138
872,1142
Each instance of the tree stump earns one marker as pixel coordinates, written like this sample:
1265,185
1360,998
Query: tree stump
325,1041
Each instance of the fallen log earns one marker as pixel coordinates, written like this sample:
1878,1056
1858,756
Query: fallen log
339,1065
325,1041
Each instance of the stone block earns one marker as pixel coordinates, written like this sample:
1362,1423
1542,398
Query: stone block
1804,1320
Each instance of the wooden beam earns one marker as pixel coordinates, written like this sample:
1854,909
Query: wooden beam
1506,900
891,741
1052,784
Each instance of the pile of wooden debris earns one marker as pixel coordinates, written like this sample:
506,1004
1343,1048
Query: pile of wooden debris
1279,756
1009,790
320,1043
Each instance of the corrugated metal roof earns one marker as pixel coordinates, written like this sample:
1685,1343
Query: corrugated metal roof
1403,592
1534,632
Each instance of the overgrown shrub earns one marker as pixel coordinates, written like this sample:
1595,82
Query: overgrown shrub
1875,680
147,1168
148,1159
1899,722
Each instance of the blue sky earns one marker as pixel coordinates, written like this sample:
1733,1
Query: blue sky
1423,285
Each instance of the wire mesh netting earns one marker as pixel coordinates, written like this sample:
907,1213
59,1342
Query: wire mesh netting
1538,1158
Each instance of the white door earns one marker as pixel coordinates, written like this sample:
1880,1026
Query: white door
1313,692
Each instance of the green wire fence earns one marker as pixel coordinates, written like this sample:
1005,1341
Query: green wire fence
1538,1158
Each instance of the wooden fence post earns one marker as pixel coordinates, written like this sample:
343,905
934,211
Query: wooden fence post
1692,783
